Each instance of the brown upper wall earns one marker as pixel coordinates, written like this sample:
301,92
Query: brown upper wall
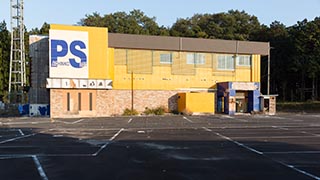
129,41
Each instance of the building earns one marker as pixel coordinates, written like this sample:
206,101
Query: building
93,73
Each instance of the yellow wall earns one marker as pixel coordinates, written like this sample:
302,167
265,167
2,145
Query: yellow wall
255,68
152,75
196,102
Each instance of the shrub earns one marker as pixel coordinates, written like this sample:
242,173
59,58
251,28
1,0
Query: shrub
148,111
156,111
159,111
129,112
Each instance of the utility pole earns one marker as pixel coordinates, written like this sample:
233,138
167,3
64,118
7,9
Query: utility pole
17,76
268,88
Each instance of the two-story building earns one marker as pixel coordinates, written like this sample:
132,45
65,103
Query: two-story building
94,73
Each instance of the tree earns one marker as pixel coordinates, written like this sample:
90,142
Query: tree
44,30
306,62
234,25
4,59
136,22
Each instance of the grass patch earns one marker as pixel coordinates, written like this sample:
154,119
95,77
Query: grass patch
309,106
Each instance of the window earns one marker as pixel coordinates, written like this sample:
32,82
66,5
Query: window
165,58
90,101
243,60
225,62
196,58
79,101
68,101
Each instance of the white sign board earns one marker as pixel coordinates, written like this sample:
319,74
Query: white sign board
79,83
69,54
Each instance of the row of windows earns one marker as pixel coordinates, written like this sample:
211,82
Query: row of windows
80,101
143,61
225,62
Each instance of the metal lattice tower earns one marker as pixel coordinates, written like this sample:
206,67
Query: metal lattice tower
17,76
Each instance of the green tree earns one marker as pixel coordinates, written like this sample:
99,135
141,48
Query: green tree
135,22
4,59
306,61
234,25
282,76
44,30
182,28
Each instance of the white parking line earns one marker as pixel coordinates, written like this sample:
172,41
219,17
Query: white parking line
239,144
16,156
13,139
273,137
187,119
281,128
75,122
207,129
107,143
39,167
262,153
294,152
21,123
130,120
304,132
20,131
83,129
299,170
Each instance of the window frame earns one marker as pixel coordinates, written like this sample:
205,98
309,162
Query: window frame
225,64
168,55
197,59
248,60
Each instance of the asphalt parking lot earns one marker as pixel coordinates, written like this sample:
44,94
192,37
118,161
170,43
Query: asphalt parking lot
286,146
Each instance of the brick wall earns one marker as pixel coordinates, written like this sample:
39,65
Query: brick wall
56,104
112,102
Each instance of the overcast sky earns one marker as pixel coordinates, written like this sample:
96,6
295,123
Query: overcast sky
166,12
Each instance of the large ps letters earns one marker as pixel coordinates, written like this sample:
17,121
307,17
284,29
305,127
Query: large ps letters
60,48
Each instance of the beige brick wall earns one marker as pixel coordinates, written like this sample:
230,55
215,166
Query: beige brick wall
111,102
56,104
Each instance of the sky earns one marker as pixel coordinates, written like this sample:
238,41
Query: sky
69,12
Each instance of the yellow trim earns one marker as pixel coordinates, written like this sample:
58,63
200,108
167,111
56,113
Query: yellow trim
98,52
111,63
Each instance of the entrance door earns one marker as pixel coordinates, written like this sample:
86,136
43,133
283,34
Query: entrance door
241,101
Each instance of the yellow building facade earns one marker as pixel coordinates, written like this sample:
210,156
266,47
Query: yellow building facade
96,73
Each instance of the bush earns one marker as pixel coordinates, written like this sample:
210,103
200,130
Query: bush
159,111
129,112
148,111
156,111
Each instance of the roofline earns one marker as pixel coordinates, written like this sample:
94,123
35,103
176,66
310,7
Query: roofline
168,43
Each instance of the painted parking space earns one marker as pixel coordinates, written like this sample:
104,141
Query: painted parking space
162,147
